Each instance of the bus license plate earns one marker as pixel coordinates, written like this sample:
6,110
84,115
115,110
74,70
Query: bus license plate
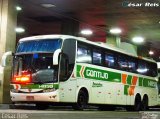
30,98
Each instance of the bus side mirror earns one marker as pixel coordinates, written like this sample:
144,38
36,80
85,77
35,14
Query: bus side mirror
56,56
6,60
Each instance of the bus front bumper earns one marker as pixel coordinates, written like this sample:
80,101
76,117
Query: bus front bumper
35,97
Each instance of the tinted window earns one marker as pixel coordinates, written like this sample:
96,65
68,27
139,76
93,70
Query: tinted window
39,46
109,60
152,69
68,57
97,57
84,55
123,63
142,68
132,65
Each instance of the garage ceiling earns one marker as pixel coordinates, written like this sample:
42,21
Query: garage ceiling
99,15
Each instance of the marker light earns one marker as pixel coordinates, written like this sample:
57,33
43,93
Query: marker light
87,32
138,39
115,31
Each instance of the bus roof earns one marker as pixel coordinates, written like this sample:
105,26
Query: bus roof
103,45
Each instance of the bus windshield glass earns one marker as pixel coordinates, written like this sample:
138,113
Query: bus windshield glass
39,66
47,45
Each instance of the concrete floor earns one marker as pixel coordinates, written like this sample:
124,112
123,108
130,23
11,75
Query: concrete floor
69,113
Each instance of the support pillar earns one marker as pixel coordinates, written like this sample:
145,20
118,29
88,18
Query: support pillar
143,51
113,40
70,27
8,20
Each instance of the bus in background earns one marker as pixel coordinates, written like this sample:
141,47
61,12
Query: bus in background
51,69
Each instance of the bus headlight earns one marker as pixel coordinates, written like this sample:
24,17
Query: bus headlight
49,90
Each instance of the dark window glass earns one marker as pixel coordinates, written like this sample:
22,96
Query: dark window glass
142,68
41,67
152,69
84,55
109,60
69,54
123,63
97,57
131,66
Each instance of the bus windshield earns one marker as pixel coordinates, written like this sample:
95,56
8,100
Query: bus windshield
47,45
40,67
35,58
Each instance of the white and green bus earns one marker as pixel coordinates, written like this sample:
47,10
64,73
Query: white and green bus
55,69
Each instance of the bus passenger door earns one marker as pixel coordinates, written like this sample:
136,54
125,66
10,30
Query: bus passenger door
67,87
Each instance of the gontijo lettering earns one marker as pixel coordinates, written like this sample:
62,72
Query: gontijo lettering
97,74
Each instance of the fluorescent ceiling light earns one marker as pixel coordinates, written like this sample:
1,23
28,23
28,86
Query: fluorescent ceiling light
87,32
151,52
20,30
18,8
138,39
115,31
47,5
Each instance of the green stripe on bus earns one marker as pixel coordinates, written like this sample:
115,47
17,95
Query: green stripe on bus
78,70
104,75
129,79
37,86
126,89
140,81
98,74
149,83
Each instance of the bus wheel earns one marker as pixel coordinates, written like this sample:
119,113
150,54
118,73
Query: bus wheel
41,106
137,103
145,103
81,101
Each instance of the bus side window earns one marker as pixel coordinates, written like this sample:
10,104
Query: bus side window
123,63
109,60
97,57
83,55
152,70
142,68
132,66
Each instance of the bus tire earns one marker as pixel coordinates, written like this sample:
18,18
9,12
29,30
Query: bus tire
145,103
82,101
137,103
